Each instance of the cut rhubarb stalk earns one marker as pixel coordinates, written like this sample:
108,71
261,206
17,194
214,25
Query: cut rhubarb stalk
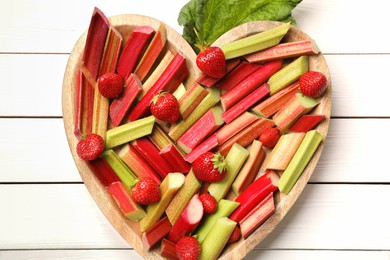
120,168
272,104
224,209
168,249
300,160
152,52
178,164
249,84
130,131
137,164
156,233
257,216
190,187
209,82
132,51
129,208
101,107
188,220
238,124
156,73
95,42
169,187
207,145
168,81
250,169
295,107
191,99
183,125
254,194
161,139
83,107
203,128
237,75
283,151
306,123
246,103
235,159
255,42
103,171
217,238
180,91
288,74
284,50
247,135
121,105
152,155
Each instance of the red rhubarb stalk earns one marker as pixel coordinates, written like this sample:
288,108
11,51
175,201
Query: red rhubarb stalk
254,194
171,78
207,145
237,75
111,51
103,171
178,164
208,81
188,220
133,49
249,84
246,103
168,249
121,105
306,123
156,233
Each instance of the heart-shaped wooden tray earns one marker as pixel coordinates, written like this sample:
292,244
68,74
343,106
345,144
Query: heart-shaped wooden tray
128,229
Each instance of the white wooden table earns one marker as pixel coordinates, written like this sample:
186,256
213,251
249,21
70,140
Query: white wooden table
46,211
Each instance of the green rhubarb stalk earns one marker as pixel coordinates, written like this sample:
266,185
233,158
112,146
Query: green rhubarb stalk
298,163
255,42
224,209
217,238
234,161
120,168
129,132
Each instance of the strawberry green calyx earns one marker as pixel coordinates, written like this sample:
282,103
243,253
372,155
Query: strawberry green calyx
219,162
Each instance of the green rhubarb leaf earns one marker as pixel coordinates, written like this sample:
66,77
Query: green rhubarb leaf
204,21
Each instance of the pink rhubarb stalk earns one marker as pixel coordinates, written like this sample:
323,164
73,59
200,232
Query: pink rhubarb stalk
156,233
103,171
178,164
237,75
306,123
207,145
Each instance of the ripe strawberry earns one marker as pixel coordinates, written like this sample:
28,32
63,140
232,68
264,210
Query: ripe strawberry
188,248
235,235
209,203
91,147
110,85
146,191
269,137
165,106
313,84
211,61
210,167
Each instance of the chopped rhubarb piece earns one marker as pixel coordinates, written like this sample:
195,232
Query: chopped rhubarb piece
272,104
132,51
207,145
306,123
126,204
297,106
161,139
83,107
121,105
156,233
283,151
191,99
246,103
137,164
190,187
152,52
168,249
152,155
103,171
101,107
237,75
250,169
203,128
180,91
247,135
257,216
254,194
250,83
171,78
178,164
284,50
208,81
188,220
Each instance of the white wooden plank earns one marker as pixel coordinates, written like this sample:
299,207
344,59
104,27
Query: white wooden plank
326,217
